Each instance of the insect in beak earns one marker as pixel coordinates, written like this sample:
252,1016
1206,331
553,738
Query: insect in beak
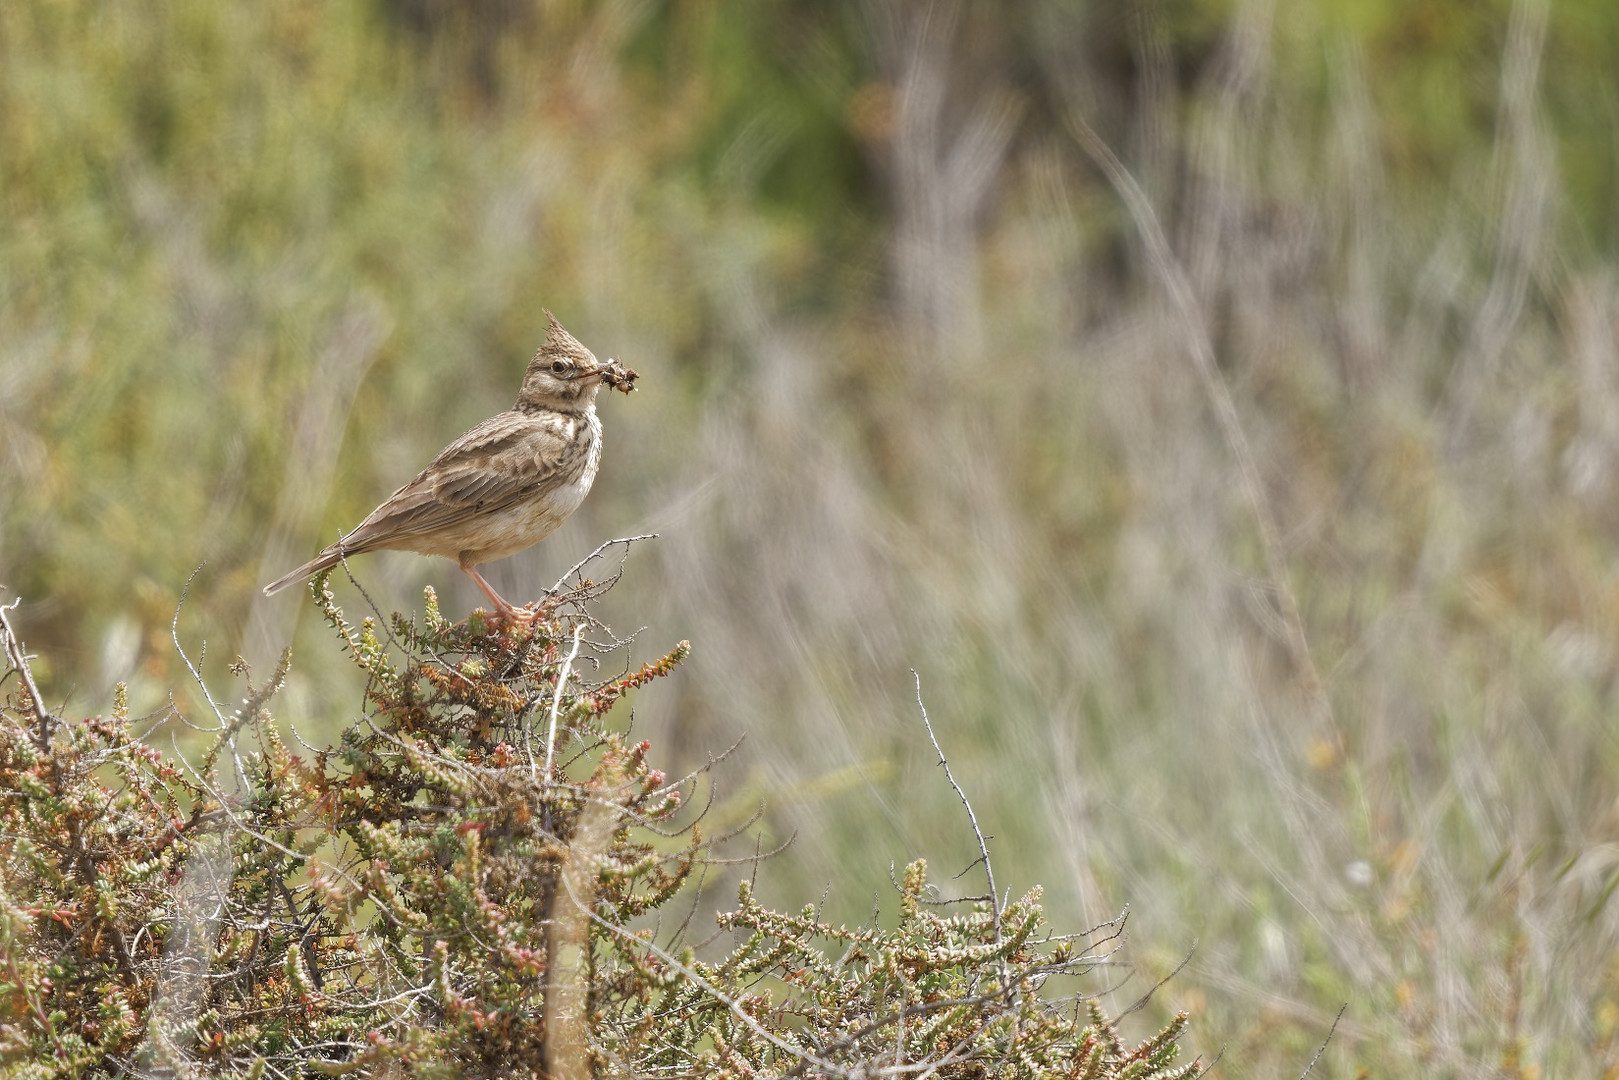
618,376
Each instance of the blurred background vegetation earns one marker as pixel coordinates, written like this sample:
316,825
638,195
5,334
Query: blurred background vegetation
916,394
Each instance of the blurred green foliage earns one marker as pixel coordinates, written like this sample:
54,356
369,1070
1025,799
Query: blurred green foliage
258,263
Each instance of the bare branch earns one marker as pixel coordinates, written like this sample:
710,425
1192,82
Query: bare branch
556,703
1141,1002
983,847
18,658
582,563
1326,1041
174,634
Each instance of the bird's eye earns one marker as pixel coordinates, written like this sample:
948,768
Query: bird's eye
558,367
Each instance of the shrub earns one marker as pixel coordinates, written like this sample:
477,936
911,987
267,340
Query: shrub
465,885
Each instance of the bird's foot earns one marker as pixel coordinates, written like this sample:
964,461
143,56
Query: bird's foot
526,616
505,611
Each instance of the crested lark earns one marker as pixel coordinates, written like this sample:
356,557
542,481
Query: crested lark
506,484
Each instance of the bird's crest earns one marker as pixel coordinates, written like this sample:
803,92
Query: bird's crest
558,342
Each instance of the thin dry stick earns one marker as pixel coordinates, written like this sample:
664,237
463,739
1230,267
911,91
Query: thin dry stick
983,848
582,563
1141,1002
1325,1042
19,660
556,702
174,635
1201,348
224,728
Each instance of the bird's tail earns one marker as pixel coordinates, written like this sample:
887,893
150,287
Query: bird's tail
328,558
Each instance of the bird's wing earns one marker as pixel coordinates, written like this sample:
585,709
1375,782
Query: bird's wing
497,464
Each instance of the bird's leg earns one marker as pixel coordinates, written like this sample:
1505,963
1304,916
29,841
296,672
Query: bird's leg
503,607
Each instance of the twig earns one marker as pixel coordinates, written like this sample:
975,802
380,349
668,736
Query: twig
1007,987
174,633
19,660
1325,1041
556,703
580,565
1141,1002
983,848
382,620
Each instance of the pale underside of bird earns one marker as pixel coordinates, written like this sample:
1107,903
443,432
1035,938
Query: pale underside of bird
503,486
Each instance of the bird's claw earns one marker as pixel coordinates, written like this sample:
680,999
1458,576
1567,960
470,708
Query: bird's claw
527,615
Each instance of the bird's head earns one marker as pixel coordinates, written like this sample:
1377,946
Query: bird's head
563,374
